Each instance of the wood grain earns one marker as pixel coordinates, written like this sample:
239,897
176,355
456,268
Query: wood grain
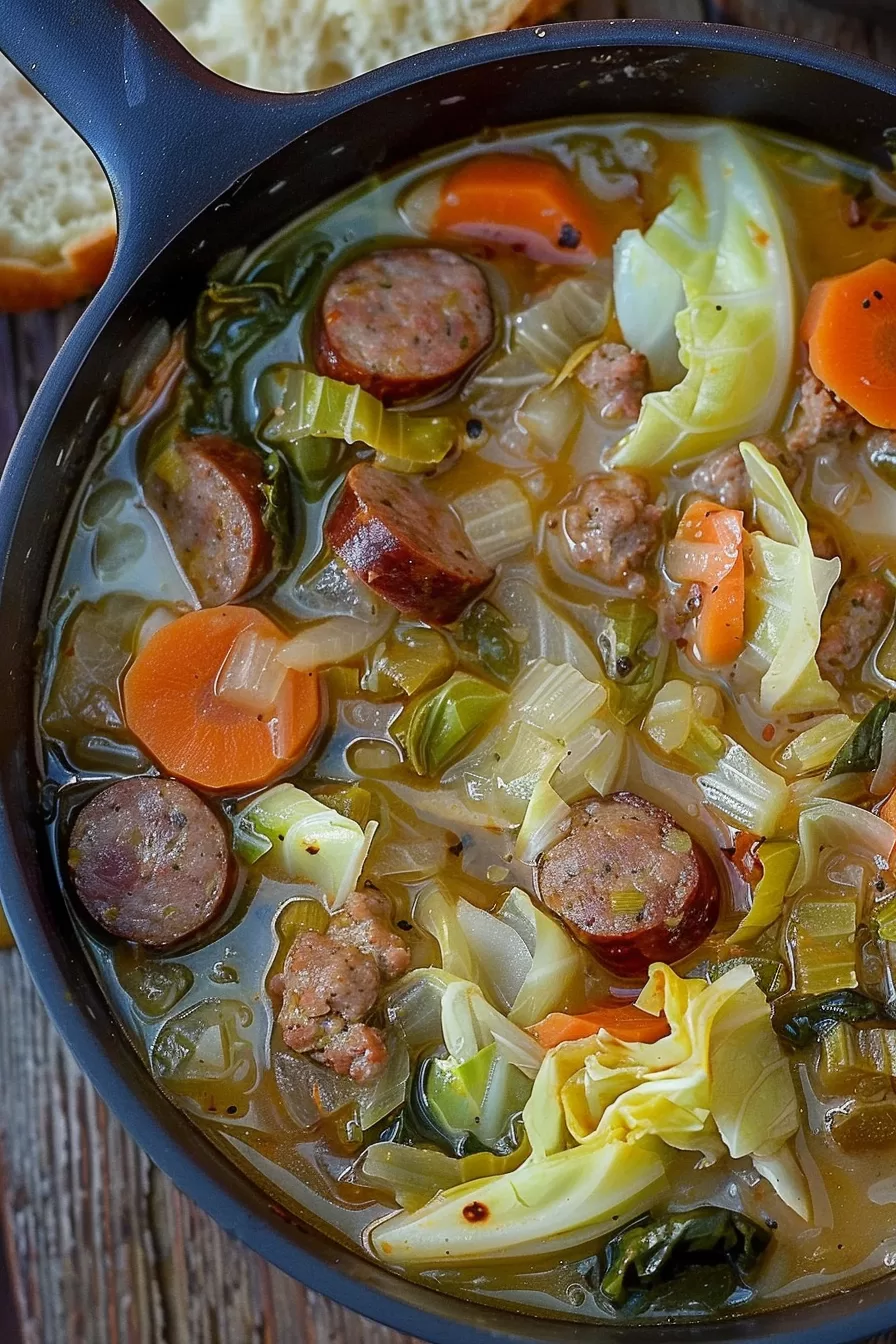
102,1248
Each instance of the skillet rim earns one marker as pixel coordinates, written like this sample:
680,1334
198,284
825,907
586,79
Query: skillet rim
198,1167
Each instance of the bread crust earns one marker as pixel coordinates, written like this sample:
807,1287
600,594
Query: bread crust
536,11
26,285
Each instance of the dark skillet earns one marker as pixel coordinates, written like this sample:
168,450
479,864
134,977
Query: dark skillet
198,167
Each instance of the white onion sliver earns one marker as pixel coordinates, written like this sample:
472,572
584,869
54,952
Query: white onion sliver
502,957
497,519
155,620
252,675
334,641
885,775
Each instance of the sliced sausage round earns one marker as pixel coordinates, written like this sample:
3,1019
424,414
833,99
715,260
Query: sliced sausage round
404,322
207,495
150,861
630,883
406,544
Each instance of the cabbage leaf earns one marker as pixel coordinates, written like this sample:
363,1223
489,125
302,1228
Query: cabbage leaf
648,295
786,594
736,333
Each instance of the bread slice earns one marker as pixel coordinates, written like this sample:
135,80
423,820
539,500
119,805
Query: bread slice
307,44
57,222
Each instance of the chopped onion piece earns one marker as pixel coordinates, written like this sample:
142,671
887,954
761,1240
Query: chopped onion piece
252,673
497,519
546,819
575,311
555,698
334,641
829,822
549,416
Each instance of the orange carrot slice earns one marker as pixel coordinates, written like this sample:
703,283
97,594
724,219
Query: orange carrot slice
171,706
850,329
713,538
625,1022
525,202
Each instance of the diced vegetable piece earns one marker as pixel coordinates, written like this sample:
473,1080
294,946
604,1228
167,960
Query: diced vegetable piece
625,1022
440,722
484,634
592,760
657,1259
413,659
708,550
337,640
521,760
778,860
824,945
548,635
810,1019
309,841
297,404
867,1124
470,1022
497,518
353,802
816,747
829,822
545,821
524,200
556,972
848,326
675,725
252,674
745,791
863,749
736,334
634,657
857,1061
556,699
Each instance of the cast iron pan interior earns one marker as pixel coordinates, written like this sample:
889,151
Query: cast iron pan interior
173,139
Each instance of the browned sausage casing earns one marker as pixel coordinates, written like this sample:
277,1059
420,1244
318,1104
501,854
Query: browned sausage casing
406,544
210,504
150,860
404,322
624,844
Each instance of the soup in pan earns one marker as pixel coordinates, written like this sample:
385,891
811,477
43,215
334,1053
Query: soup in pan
467,717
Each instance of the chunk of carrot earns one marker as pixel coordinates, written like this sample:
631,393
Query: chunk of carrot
624,1021
850,328
521,201
171,705
720,621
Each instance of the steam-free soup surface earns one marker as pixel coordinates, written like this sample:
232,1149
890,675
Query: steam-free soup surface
467,717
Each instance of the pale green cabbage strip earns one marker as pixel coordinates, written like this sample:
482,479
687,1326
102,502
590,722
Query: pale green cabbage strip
736,332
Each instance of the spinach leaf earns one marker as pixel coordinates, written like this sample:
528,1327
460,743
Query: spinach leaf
862,751
811,1018
698,1257
483,635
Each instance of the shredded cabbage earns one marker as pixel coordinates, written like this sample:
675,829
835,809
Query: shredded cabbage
786,595
545,821
548,634
648,296
296,404
413,1174
736,334
592,760
745,791
309,841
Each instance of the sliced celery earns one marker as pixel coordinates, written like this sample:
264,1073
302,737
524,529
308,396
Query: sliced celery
824,945
816,747
778,859
857,1060
296,404
745,791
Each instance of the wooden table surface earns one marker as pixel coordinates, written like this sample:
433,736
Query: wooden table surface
101,1248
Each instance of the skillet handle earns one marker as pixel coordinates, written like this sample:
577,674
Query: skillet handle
170,134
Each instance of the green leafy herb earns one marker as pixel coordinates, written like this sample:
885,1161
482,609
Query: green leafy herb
435,726
701,1256
231,323
770,974
634,658
862,751
811,1018
484,635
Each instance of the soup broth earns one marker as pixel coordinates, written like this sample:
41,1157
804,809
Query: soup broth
445,790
